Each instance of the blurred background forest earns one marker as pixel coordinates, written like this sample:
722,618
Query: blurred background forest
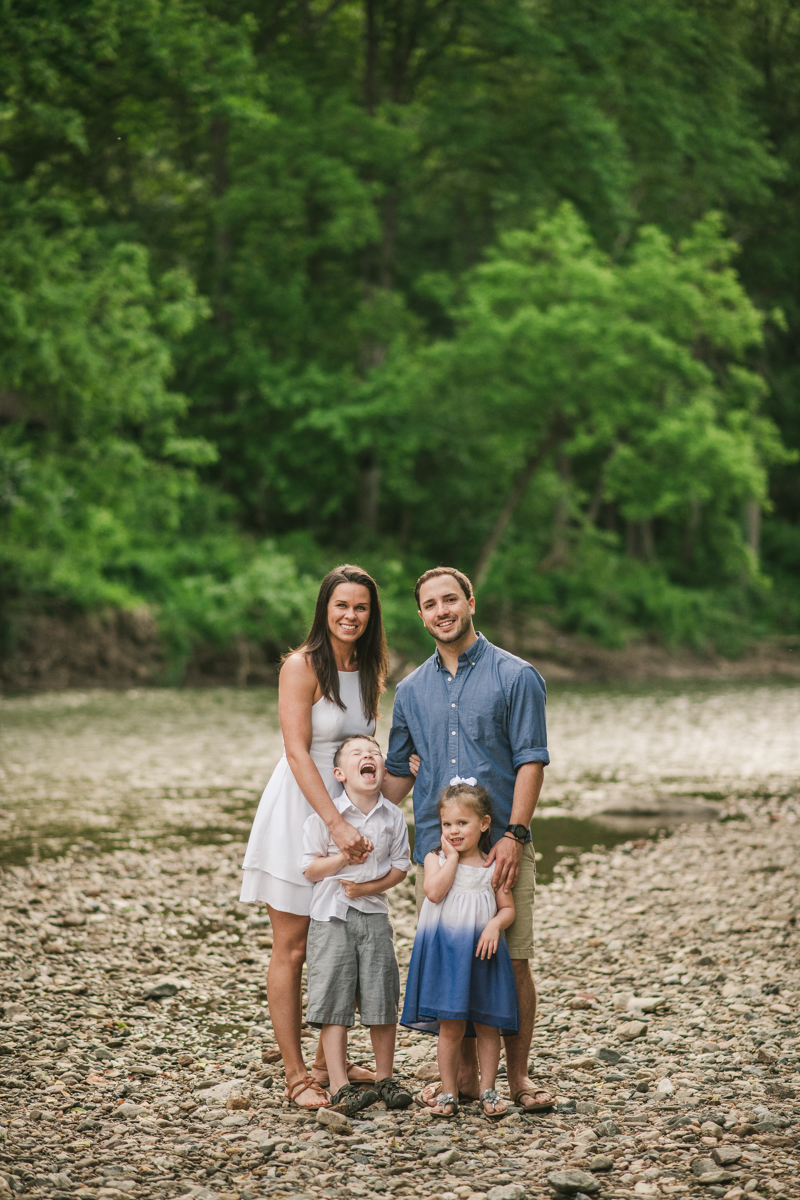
507,284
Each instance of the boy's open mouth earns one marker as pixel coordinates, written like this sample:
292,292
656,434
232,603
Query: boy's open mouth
368,770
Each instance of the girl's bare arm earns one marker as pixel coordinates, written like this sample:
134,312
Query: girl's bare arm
439,879
490,937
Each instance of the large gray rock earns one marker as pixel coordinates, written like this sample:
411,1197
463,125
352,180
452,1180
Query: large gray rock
628,1031
571,1181
706,1171
263,1138
726,1156
601,1162
333,1120
163,986
506,1191
219,1095
128,1109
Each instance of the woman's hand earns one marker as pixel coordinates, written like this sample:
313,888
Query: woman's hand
487,942
351,843
414,764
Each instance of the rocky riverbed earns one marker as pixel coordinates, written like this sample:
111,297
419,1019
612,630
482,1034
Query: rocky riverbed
137,1056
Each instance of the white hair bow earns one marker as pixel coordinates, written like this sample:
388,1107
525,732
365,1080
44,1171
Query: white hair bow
458,779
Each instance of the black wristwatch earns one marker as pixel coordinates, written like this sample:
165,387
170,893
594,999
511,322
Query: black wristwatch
520,832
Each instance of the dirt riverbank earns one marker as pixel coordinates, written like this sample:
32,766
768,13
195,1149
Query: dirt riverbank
120,649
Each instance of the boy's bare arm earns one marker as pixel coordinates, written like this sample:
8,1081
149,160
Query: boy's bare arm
374,887
321,868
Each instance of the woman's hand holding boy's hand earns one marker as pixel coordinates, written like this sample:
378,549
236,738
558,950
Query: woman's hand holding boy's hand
487,942
352,844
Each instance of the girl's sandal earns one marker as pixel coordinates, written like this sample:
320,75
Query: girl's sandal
490,1097
307,1084
445,1100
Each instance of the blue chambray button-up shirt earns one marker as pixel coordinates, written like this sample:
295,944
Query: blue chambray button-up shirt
485,721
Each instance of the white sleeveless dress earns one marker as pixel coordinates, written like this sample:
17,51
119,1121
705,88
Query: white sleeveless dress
272,873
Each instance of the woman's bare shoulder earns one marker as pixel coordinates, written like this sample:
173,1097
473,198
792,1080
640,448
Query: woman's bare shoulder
298,673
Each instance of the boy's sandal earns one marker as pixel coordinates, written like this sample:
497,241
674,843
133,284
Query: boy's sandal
310,1085
445,1100
351,1098
490,1097
538,1105
393,1094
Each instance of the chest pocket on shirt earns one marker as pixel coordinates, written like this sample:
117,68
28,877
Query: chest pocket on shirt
383,842
487,719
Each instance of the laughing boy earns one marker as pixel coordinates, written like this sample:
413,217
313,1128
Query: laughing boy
350,948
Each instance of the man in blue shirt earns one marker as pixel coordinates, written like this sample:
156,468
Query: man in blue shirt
475,710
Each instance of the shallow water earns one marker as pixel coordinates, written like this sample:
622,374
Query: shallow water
168,766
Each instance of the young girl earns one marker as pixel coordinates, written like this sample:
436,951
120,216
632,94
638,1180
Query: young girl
460,981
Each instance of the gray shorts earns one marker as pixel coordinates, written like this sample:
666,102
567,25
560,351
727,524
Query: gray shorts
352,963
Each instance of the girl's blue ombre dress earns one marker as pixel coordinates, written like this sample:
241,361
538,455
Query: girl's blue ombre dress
445,979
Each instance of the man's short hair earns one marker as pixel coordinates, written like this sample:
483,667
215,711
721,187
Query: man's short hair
354,737
461,579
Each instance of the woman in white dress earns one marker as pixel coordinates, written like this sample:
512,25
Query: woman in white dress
329,689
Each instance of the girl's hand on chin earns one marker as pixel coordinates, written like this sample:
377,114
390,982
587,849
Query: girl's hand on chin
449,851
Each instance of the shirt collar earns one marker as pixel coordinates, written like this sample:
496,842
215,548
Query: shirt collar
344,802
468,658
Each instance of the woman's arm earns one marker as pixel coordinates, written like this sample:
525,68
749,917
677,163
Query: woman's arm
439,879
298,690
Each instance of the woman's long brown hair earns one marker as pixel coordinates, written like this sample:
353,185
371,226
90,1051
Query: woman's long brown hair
372,654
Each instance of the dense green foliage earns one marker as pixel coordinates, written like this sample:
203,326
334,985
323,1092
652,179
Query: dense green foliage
509,285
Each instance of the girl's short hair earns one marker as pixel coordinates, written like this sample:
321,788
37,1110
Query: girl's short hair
473,796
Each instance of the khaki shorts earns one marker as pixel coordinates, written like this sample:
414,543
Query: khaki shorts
352,962
519,936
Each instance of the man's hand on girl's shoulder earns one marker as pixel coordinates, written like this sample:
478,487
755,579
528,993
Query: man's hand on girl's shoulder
507,853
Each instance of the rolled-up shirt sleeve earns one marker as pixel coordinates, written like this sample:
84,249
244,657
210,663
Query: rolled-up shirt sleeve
401,744
400,853
315,841
527,720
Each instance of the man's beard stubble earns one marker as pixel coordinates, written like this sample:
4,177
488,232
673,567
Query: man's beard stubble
455,634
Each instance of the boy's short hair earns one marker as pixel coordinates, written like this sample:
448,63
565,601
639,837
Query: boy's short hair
354,737
461,579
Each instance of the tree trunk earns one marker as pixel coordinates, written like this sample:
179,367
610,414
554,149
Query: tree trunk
369,492
690,529
532,463
557,554
222,235
752,515
370,57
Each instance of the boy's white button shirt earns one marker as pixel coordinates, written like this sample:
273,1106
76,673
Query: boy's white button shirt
385,826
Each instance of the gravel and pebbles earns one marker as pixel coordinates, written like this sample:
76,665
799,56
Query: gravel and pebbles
137,1057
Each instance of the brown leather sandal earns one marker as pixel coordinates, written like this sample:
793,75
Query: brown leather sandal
307,1084
532,1093
326,1082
